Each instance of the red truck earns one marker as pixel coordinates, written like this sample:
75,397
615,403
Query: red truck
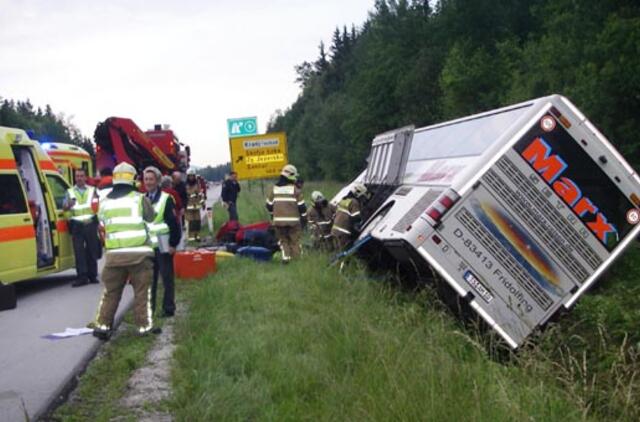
119,139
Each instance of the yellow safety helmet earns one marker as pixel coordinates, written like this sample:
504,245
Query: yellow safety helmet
124,174
290,172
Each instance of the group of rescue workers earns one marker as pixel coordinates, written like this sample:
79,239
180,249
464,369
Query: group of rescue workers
332,227
139,219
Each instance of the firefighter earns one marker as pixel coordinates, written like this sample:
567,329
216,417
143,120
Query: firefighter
286,205
165,236
129,254
320,219
195,202
80,204
347,221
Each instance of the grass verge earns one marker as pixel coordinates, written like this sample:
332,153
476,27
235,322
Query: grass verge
305,342
99,390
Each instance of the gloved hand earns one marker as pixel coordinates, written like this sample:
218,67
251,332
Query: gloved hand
358,226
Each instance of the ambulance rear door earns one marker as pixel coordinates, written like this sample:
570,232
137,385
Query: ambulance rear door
17,232
58,188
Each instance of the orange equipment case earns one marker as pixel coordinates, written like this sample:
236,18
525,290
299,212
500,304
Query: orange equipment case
194,264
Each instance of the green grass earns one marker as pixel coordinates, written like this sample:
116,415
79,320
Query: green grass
253,194
305,342
594,351
100,388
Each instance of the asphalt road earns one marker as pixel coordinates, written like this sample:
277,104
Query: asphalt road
34,371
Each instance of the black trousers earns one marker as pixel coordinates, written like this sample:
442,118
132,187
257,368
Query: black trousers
233,211
163,266
86,248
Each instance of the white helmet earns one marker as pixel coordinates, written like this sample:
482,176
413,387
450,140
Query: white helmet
358,190
289,171
191,171
317,196
124,174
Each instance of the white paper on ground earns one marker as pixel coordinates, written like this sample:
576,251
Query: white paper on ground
72,332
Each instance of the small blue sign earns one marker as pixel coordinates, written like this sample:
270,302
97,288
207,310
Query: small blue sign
245,126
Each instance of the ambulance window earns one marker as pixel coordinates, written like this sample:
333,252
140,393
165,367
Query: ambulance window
58,189
11,195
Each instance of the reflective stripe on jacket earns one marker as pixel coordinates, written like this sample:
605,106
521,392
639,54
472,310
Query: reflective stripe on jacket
320,219
125,228
286,204
158,227
81,209
347,215
195,197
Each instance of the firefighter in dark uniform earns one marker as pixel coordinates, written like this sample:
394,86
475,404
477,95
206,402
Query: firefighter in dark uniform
80,204
346,223
286,205
124,213
320,220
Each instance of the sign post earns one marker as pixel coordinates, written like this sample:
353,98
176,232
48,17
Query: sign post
259,156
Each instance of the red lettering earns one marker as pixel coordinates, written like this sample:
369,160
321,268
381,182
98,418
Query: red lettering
601,227
584,206
538,154
567,190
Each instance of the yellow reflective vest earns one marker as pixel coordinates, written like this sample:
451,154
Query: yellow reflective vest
81,209
125,228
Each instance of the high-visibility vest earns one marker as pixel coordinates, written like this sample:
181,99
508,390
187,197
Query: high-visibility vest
158,226
125,228
103,192
81,210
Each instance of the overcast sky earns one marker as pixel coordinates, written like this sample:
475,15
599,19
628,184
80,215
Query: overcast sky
191,64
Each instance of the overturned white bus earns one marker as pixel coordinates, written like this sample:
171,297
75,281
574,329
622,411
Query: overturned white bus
518,209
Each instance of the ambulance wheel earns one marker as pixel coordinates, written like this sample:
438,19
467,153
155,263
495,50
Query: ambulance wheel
7,296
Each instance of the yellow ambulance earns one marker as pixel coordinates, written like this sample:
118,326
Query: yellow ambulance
68,158
34,237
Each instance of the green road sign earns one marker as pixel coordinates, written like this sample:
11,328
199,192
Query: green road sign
245,126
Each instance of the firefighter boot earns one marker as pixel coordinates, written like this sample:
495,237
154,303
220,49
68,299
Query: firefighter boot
102,332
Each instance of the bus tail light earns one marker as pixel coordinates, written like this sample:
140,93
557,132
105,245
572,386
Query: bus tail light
441,205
